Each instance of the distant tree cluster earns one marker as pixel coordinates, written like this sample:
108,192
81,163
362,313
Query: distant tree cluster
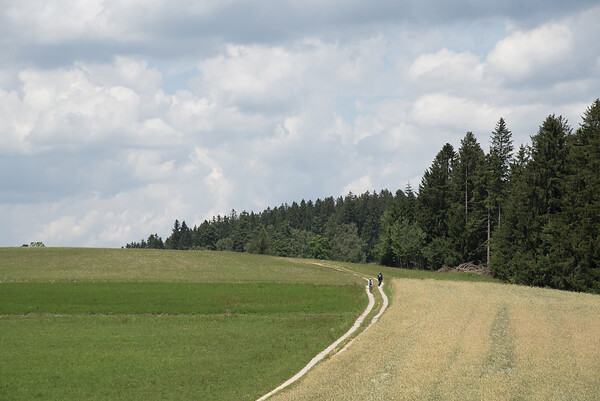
532,216
346,229
153,242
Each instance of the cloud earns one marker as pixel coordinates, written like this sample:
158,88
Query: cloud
275,78
193,189
113,125
16,124
541,51
439,110
84,104
445,68
359,186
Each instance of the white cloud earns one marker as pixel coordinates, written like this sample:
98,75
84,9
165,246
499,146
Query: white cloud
268,108
455,113
254,77
149,166
527,53
52,21
446,68
15,124
92,104
69,108
359,186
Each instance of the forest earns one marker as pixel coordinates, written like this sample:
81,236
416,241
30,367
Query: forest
531,214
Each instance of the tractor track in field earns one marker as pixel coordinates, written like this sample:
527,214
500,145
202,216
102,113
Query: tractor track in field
319,357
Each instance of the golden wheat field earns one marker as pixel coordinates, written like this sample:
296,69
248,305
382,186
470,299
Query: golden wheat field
442,340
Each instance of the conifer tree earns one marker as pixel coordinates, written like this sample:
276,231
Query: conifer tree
466,226
521,248
572,235
500,155
434,191
497,180
185,237
172,241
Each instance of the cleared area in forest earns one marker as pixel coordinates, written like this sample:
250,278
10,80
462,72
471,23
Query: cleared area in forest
457,341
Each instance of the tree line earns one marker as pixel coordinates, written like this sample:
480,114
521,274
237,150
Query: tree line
344,228
532,214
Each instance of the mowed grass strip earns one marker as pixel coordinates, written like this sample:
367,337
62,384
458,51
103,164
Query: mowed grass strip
168,357
18,298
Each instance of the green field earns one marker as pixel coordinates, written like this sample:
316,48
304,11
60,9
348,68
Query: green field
133,324
114,324
93,264
175,298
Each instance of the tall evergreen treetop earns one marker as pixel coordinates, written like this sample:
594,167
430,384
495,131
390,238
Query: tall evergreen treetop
434,193
574,250
547,166
499,158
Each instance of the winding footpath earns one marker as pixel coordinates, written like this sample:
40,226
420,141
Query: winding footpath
337,342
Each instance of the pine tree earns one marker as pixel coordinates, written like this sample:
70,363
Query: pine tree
434,191
466,226
522,240
185,238
262,243
172,242
155,242
501,151
497,179
572,235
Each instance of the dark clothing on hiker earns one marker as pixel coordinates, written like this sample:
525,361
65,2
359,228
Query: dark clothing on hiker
380,278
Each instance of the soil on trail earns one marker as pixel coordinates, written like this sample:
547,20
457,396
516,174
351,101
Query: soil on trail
443,340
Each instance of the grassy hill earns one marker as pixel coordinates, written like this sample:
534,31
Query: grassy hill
125,324
94,264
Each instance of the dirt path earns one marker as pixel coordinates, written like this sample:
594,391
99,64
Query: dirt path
337,342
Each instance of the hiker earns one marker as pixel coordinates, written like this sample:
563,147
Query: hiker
370,285
380,278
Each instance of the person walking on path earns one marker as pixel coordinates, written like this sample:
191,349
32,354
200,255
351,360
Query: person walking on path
380,279
370,285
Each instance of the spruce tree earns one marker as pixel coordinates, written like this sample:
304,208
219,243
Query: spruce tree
498,163
185,239
500,155
466,227
522,247
172,242
572,235
434,191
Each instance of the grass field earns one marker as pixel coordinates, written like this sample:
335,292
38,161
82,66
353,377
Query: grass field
175,298
443,340
113,324
126,324
93,264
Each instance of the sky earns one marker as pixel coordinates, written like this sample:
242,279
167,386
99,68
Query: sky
119,116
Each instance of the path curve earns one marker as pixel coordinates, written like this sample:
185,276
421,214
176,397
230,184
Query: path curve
337,342
375,318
